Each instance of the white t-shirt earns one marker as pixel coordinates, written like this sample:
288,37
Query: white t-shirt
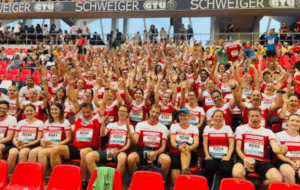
29,131
9,123
85,30
74,30
17,29
24,92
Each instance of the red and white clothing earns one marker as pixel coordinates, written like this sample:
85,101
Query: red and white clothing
112,110
178,99
226,108
248,91
207,101
53,89
69,54
255,141
264,113
55,132
117,135
160,93
166,113
12,104
225,89
151,135
86,133
198,84
29,131
24,92
183,135
292,142
218,145
190,77
233,50
6,124
236,110
297,77
89,84
38,106
210,59
195,114
138,112
101,93
287,114
268,100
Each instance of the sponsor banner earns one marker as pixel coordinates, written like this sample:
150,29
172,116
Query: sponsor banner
144,5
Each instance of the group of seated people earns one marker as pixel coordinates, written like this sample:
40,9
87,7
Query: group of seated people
156,104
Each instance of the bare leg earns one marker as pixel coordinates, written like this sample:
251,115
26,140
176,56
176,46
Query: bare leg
33,155
43,157
122,157
57,152
164,161
91,159
133,159
11,160
83,164
238,171
23,155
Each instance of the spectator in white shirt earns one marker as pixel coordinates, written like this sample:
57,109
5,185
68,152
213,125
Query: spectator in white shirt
85,30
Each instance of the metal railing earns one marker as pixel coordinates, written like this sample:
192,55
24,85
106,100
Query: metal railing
201,38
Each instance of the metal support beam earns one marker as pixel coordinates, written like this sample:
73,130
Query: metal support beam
102,32
145,26
191,23
268,26
125,27
67,21
114,25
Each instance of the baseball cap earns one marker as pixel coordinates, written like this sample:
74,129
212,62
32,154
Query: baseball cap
183,110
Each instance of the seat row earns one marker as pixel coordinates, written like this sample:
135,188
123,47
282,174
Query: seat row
68,177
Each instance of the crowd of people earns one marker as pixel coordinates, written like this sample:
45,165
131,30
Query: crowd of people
159,104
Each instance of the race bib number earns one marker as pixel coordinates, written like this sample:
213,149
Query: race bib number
218,151
194,119
209,101
165,118
136,115
254,147
12,110
234,53
152,141
28,135
181,138
209,62
271,41
2,132
293,155
53,135
247,91
117,137
226,89
84,135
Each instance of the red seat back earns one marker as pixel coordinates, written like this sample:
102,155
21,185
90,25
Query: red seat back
146,180
276,128
236,184
3,174
36,79
190,182
3,71
27,175
22,77
283,186
35,72
65,177
26,72
117,185
15,72
11,77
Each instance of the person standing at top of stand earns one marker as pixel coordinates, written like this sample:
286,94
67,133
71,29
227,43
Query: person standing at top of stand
271,42
229,30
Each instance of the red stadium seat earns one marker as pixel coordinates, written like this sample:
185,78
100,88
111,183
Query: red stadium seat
2,76
3,71
195,168
3,174
3,63
253,175
66,177
146,180
16,49
9,49
236,184
9,63
15,72
26,72
117,185
11,77
36,79
190,182
276,128
35,72
294,59
22,77
283,186
27,176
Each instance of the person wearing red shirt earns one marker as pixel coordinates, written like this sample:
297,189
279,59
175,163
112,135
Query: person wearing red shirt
295,48
252,141
283,29
86,135
80,43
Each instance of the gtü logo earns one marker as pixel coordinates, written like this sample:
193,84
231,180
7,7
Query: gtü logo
44,7
282,3
155,5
